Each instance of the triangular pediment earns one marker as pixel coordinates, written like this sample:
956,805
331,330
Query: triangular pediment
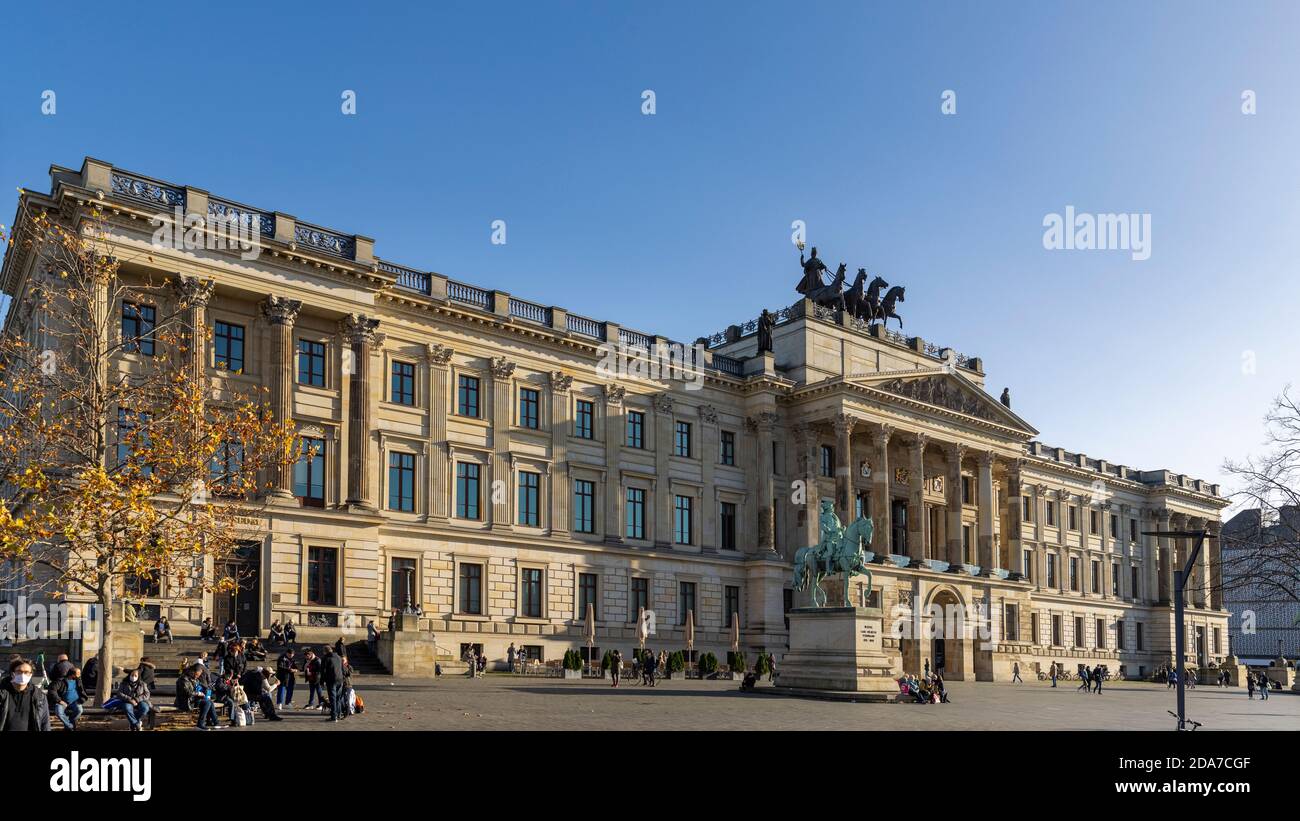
948,390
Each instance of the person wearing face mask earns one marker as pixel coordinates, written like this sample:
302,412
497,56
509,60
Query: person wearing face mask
66,697
135,699
23,707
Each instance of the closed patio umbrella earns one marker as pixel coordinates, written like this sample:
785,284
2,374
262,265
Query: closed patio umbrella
690,631
591,630
642,628
735,631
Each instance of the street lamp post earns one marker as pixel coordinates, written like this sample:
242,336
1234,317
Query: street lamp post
1180,638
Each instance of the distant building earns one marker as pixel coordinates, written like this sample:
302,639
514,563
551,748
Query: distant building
1276,627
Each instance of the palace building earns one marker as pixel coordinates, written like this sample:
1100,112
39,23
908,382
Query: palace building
472,454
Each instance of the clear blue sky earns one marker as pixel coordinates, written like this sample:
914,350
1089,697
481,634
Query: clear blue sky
679,223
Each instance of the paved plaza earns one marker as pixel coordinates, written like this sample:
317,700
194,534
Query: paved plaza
512,703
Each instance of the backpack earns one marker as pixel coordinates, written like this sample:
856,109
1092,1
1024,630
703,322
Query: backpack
361,705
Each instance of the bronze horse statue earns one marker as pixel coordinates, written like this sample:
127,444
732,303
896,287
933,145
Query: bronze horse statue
865,307
831,295
894,296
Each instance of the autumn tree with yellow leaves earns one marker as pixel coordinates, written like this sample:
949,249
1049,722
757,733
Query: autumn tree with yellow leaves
121,458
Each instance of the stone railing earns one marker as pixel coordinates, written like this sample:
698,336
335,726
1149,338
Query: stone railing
243,215
145,190
325,241
407,278
468,294
530,311
584,326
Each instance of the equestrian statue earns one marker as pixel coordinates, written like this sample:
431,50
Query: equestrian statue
840,550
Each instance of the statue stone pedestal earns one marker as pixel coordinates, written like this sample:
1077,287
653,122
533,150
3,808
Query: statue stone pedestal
407,651
837,652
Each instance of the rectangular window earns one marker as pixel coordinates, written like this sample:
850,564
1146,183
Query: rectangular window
730,604
1101,634
635,429
311,363
584,419
529,492
686,602
682,519
1132,530
1074,573
640,598
1078,631
1058,640
471,589
1051,570
727,448
861,504
682,439
1218,636
1096,577
587,595
467,490
131,439
322,575
1093,526
1074,517
827,460
401,481
227,466
967,491
401,389
898,519
528,403
1137,643
584,506
727,525
1011,623
309,473
1114,580
401,583
634,510
228,347
138,323
1134,587
1025,509
530,584
1027,565
467,396
1051,514
1119,635
1114,526
967,545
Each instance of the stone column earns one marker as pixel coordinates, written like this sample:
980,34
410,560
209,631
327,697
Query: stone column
987,555
806,441
502,416
763,425
708,460
1167,558
881,479
1125,574
1011,516
1062,553
916,516
360,336
1040,533
663,502
438,357
1104,558
844,424
193,294
281,313
615,433
954,453
561,486
1151,555
1206,564
1214,549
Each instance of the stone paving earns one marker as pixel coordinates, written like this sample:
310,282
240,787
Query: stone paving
502,702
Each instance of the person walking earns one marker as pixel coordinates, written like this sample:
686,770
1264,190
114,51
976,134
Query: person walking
1250,686
1015,673
1263,686
615,667
332,677
1052,670
23,707
1096,679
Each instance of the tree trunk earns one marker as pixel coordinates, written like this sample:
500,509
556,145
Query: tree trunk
105,683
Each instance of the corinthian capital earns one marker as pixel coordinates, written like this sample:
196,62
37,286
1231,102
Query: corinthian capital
359,329
614,395
438,353
560,382
281,311
844,422
502,368
708,414
192,291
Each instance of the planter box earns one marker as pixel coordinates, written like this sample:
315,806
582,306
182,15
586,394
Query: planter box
572,674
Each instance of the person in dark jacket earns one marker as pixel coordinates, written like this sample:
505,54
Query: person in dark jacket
235,661
311,668
60,668
90,674
147,670
135,699
340,648
332,678
259,692
207,631
286,671
231,633
192,696
67,694
290,632
23,707
255,651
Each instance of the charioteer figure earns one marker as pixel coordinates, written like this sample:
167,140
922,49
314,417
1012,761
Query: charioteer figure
812,272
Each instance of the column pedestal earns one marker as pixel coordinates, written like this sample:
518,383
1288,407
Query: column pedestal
838,652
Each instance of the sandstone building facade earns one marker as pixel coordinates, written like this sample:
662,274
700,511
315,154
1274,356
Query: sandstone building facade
473,455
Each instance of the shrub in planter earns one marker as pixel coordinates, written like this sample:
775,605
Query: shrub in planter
676,662
572,660
708,664
736,661
606,660
761,666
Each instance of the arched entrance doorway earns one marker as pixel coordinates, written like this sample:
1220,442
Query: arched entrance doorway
949,645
